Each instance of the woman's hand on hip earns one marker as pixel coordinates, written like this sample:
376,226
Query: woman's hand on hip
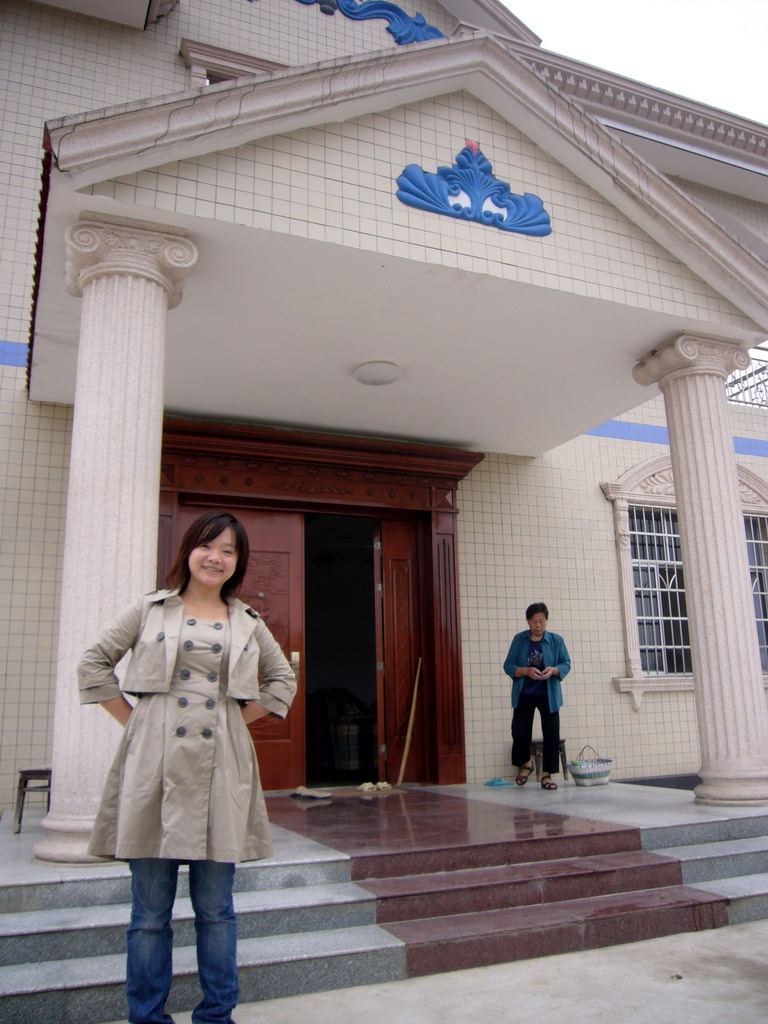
119,708
252,712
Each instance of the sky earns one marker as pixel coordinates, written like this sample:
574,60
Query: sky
713,51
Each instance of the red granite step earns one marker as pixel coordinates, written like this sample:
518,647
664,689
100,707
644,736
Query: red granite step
514,885
447,856
438,944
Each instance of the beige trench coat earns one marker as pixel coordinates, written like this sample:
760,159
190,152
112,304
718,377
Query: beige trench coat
212,807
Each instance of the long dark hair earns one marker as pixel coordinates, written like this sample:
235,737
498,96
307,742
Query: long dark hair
205,528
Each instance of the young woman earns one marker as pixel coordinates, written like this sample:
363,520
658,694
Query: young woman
184,786
537,661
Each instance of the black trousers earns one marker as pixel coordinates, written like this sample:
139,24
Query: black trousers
522,727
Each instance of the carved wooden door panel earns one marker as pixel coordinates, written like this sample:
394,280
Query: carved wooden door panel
402,640
274,585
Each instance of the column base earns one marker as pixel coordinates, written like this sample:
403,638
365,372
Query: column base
733,792
67,840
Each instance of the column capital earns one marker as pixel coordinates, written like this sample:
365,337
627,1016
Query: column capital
690,353
98,245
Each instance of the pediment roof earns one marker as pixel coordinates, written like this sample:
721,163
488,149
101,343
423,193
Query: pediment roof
634,261
104,144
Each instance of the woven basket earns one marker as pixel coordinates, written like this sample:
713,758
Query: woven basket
590,771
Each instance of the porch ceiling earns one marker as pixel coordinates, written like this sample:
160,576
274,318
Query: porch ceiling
271,326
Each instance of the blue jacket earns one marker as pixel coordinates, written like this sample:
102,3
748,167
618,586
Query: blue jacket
555,654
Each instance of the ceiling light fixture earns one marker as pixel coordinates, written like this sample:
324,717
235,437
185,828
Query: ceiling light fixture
377,372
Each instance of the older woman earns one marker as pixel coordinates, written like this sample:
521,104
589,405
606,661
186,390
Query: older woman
537,661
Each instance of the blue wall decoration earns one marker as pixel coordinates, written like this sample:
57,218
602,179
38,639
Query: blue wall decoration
404,28
469,191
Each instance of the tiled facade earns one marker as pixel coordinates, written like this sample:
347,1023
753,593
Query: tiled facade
530,529
541,529
334,184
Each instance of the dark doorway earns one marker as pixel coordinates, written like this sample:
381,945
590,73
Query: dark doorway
340,652
402,494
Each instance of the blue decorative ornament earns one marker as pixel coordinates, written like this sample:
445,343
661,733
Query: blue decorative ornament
404,28
469,191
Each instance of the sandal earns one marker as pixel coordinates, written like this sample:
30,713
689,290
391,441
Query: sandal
522,779
546,781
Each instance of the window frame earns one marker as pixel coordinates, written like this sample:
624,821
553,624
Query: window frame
651,484
203,60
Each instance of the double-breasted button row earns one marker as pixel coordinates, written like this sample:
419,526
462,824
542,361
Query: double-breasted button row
206,733
186,674
183,702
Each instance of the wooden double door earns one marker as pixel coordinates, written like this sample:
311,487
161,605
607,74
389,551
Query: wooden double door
342,594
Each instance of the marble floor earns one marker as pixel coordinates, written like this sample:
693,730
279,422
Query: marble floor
401,821
702,976
427,829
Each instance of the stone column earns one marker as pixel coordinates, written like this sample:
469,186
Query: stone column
129,273
730,698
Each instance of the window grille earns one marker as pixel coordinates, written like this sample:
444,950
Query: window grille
657,569
757,548
659,584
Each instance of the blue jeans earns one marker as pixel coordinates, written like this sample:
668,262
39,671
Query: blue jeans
150,939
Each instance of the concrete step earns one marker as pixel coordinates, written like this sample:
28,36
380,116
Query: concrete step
746,896
97,885
435,945
729,858
92,989
513,885
307,921
691,834
76,932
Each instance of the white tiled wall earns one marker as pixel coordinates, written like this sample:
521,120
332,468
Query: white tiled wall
33,467
542,530
336,183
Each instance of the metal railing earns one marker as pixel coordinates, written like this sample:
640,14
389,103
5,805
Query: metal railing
750,386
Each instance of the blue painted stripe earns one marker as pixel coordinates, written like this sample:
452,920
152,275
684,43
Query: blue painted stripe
622,431
750,446
13,353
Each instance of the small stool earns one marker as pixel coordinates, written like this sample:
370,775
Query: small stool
537,753
26,777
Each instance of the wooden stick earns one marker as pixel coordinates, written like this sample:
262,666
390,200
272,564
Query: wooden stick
409,733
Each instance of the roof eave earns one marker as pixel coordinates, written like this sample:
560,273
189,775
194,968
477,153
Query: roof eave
126,139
